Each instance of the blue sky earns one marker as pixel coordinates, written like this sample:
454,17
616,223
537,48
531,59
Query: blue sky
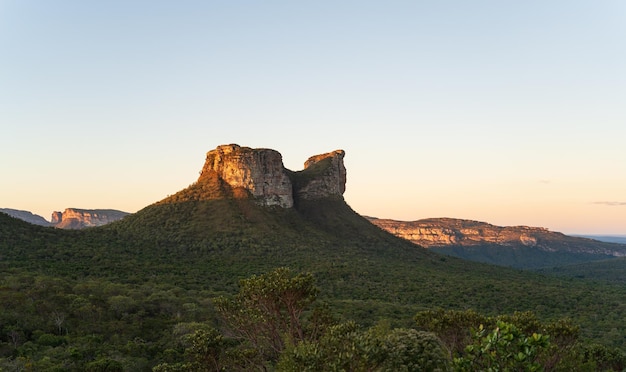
506,112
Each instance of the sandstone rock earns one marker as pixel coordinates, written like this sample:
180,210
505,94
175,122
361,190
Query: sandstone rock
327,176
236,171
73,218
259,171
442,232
56,218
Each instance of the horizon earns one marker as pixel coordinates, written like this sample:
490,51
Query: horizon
510,114
579,234
443,217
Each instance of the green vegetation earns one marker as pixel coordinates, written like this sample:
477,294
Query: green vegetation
520,256
607,271
131,295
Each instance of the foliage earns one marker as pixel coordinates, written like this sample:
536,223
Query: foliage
267,310
552,346
128,292
606,271
412,350
205,350
505,348
347,348
529,257
452,327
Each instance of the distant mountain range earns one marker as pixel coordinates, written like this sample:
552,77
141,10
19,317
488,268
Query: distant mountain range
71,218
516,246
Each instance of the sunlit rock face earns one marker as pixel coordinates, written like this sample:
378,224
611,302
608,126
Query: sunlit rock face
73,218
327,176
442,232
436,232
56,218
259,171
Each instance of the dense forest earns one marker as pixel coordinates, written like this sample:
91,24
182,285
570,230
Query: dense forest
156,291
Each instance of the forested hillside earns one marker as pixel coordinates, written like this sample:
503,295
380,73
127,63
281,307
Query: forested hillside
159,288
122,292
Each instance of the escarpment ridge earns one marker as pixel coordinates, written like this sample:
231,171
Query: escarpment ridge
518,246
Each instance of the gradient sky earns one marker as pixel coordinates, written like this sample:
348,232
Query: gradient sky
513,113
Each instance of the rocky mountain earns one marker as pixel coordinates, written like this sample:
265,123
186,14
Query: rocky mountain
518,246
27,216
233,171
74,218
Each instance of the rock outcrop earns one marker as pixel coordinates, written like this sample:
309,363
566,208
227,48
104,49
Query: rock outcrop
445,232
236,171
73,218
326,176
259,171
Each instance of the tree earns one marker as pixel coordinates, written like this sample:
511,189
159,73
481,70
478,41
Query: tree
345,347
451,326
412,350
267,311
206,350
505,348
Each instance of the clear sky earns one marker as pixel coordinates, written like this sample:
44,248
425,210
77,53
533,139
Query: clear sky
509,112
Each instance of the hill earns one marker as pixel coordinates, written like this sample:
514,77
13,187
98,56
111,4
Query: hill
515,246
122,291
26,216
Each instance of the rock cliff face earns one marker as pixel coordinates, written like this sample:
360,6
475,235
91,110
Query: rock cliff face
73,218
327,176
260,173
444,232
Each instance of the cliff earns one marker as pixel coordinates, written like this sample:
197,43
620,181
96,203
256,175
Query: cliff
74,218
258,171
323,176
233,171
440,233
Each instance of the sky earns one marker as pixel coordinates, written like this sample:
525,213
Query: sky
512,113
